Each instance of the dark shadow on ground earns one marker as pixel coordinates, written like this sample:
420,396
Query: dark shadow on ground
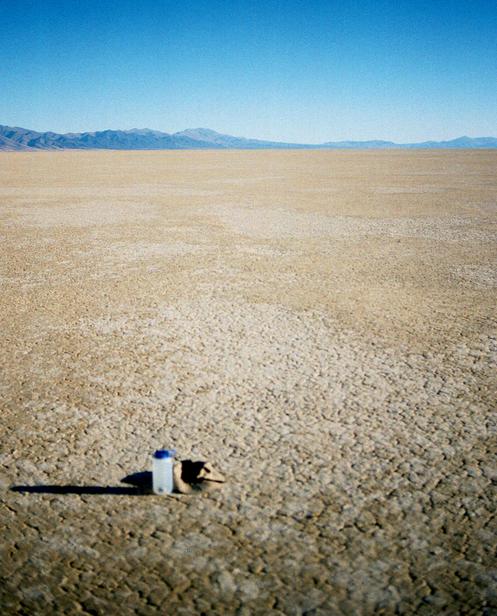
141,485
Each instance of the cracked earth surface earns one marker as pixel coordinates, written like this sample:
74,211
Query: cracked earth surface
319,325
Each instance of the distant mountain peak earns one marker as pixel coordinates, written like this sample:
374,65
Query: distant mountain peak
202,132
143,131
208,135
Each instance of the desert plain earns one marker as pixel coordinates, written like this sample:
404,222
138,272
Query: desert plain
320,325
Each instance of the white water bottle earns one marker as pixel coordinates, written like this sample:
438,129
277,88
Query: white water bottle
162,471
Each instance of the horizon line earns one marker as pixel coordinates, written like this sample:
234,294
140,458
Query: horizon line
264,139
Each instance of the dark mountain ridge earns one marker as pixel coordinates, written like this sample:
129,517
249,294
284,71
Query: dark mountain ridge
22,139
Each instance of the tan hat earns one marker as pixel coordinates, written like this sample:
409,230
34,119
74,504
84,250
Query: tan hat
191,477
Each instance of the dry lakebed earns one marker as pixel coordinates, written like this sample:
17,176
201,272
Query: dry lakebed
320,325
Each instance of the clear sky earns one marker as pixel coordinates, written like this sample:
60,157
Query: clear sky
309,71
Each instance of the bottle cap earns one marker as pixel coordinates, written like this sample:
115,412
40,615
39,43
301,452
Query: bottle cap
165,453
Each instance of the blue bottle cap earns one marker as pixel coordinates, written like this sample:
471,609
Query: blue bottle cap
165,453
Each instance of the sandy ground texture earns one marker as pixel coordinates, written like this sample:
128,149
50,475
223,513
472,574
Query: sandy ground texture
319,325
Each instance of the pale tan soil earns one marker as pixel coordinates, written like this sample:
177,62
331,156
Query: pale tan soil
320,325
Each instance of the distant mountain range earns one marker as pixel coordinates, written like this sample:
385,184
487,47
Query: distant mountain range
15,138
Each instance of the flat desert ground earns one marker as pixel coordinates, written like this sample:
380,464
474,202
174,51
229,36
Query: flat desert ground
321,326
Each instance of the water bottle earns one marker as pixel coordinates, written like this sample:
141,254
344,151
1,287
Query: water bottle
162,471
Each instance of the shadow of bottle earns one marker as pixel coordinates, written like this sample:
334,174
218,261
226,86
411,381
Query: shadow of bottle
140,485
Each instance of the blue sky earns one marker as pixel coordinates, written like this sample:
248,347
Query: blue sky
307,71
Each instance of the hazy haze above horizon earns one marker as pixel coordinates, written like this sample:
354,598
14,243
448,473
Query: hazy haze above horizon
288,71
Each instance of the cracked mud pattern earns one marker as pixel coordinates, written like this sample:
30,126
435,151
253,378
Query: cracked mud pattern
319,325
